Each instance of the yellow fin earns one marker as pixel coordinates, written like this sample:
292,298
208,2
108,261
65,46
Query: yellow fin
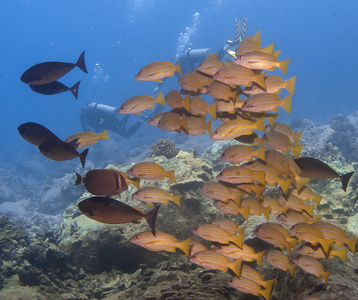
176,199
160,99
235,266
186,103
209,127
104,135
212,109
296,137
178,69
290,85
282,65
185,246
170,175
296,150
287,103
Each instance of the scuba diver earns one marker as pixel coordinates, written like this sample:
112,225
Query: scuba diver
97,117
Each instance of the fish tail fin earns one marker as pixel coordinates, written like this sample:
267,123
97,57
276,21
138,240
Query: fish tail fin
317,199
325,244
150,204
136,182
212,109
351,243
208,126
237,240
345,179
260,177
260,124
81,62
183,124
259,256
160,99
104,135
79,179
283,65
151,217
342,254
261,153
290,85
186,102
260,80
237,199
176,199
185,246
178,69
83,156
74,89
293,241
268,49
170,175
268,287
235,266
296,150
317,218
288,247
309,209
272,118
325,276
266,212
291,268
287,103
296,137
244,211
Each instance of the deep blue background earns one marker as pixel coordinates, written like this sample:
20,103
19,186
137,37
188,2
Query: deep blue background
123,36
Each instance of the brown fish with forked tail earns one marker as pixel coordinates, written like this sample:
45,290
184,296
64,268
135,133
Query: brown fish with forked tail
51,71
60,151
54,88
35,133
316,169
111,211
104,182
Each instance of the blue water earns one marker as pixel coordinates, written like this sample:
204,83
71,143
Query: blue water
120,37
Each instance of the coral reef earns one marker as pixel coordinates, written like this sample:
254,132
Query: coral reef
163,147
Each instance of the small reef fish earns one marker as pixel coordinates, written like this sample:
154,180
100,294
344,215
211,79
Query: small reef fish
152,194
175,100
267,102
149,170
191,83
314,168
214,233
312,265
296,203
196,247
255,207
51,71
246,253
137,104
218,191
274,84
61,151
230,226
250,273
86,138
261,61
222,91
105,182
154,121
199,107
279,260
197,125
317,252
329,231
249,286
229,107
305,193
111,211
212,260
240,174
287,130
309,233
278,141
284,231
161,241
172,121
292,217
274,204
35,133
210,65
232,208
54,88
158,70
238,153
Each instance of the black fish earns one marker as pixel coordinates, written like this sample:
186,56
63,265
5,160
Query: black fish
54,88
111,211
35,133
51,71
316,169
60,151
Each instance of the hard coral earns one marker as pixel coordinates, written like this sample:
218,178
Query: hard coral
163,147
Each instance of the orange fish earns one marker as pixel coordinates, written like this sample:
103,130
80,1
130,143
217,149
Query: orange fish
279,260
305,193
274,204
292,217
309,233
137,104
196,247
235,128
211,260
296,203
190,82
279,141
84,139
246,285
312,265
218,191
149,170
214,233
284,231
172,121
199,107
317,252
267,102
152,194
238,153
227,106
175,100
156,118
256,207
274,84
210,65
232,208
158,70
287,130
241,174
252,274
161,241
219,90
261,61
246,253
197,125
230,226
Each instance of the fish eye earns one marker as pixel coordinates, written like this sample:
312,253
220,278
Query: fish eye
241,57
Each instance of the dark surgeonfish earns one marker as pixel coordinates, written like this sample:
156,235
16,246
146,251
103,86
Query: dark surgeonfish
54,88
35,133
51,71
60,151
111,211
316,169
104,182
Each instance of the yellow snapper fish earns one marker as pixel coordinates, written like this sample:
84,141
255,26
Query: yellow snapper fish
158,70
172,121
222,91
152,194
137,104
246,285
279,260
274,84
86,138
199,107
267,102
317,252
279,141
210,65
175,100
161,241
312,265
238,153
149,170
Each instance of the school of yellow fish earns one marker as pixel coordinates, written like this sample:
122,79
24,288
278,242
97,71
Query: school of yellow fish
240,187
